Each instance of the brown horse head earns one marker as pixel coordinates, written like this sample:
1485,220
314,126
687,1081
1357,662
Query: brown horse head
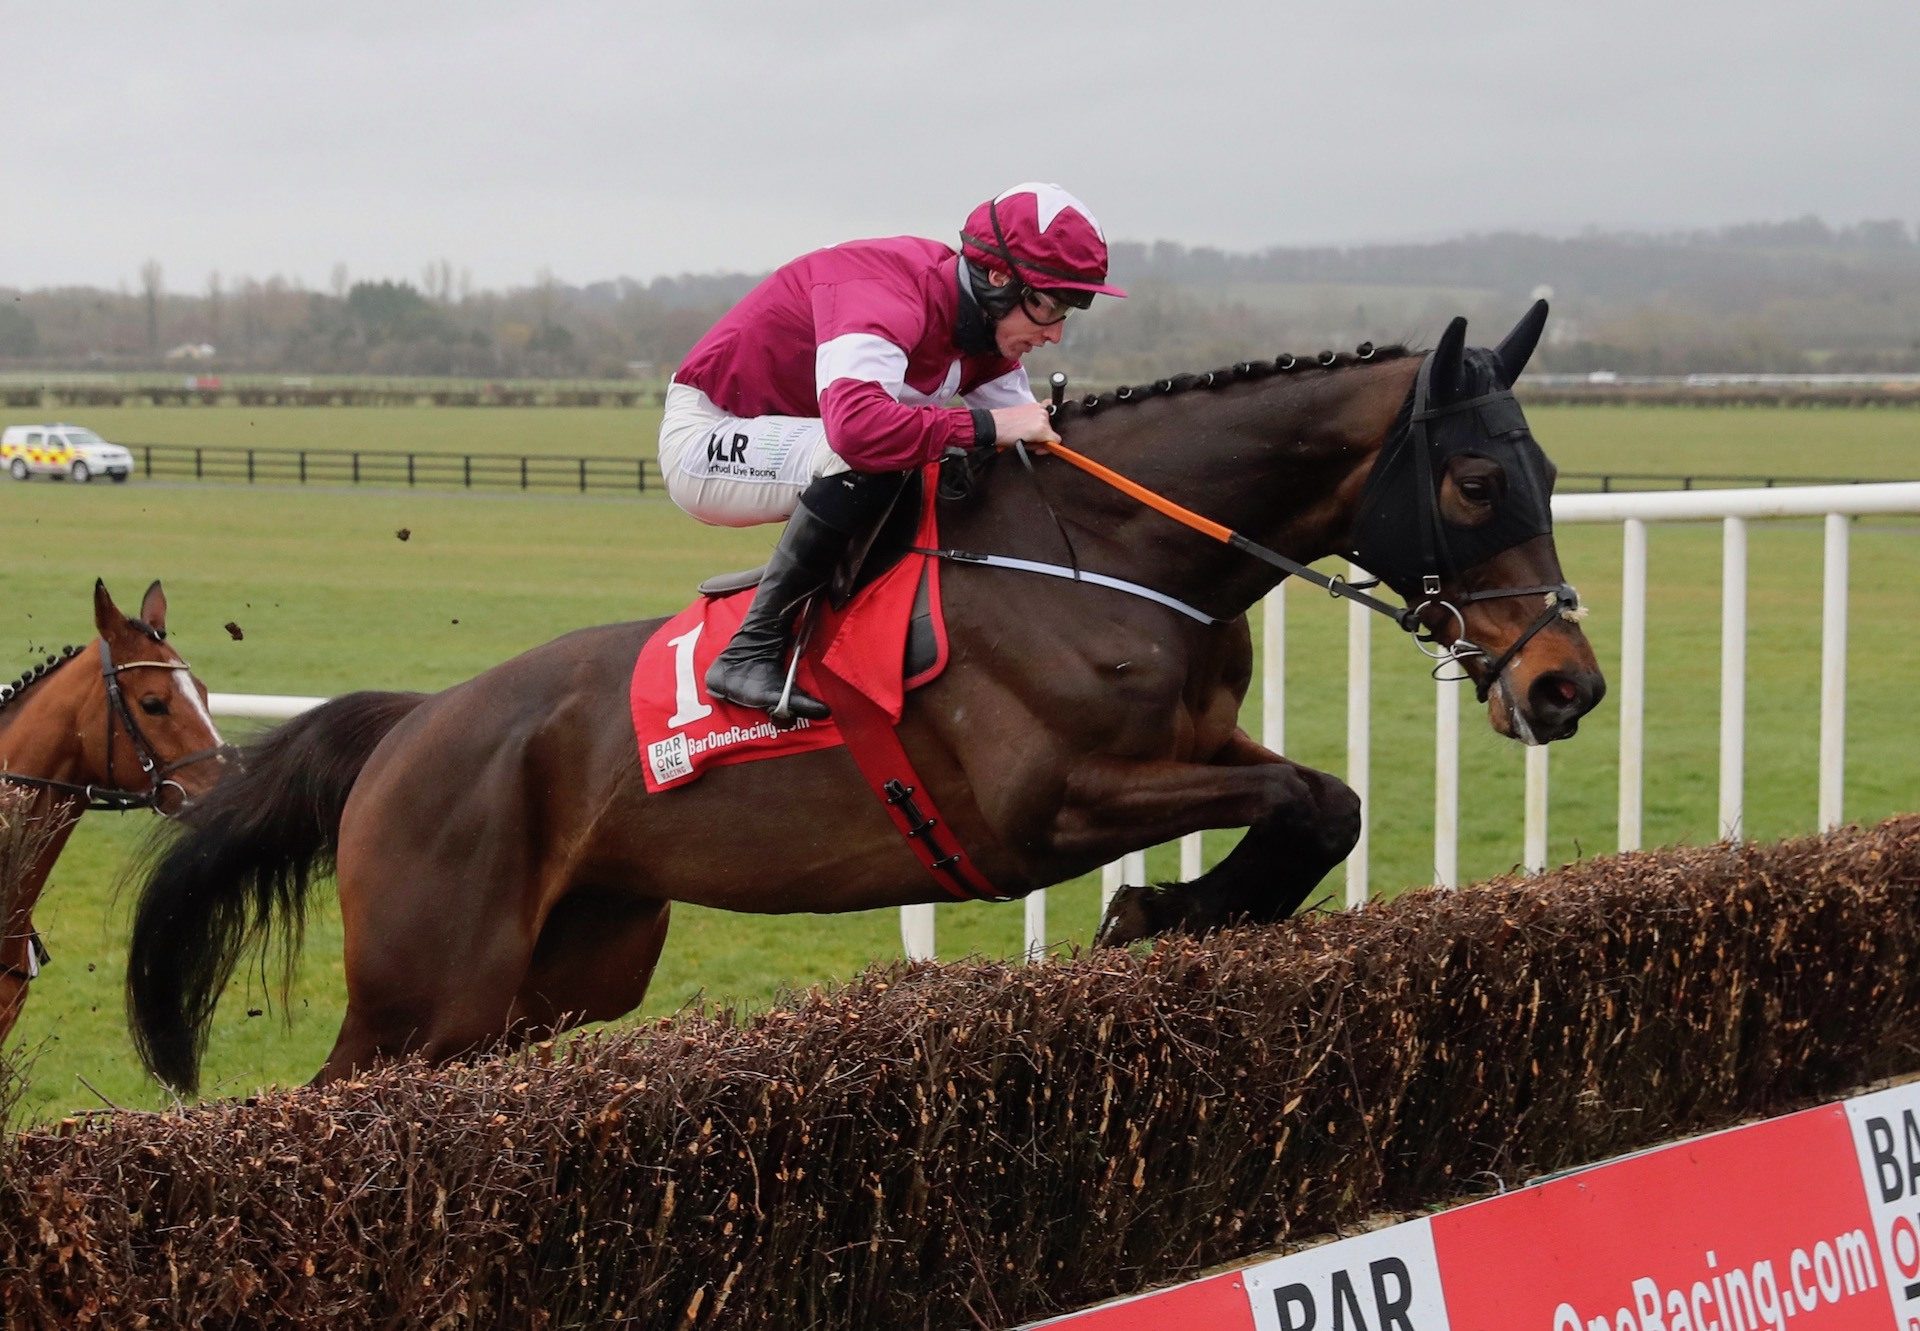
1420,469
120,723
144,725
1456,518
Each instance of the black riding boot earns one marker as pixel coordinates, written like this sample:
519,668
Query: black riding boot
753,670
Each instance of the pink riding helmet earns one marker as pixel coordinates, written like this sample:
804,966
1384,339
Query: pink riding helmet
1044,236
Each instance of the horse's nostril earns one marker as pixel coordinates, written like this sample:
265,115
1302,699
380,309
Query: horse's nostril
1559,696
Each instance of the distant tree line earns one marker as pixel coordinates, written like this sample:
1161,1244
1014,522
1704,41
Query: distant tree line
549,329
1782,296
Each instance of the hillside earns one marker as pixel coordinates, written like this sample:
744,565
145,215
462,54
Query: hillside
1783,297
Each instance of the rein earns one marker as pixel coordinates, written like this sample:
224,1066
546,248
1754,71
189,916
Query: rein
1336,586
115,799
1562,601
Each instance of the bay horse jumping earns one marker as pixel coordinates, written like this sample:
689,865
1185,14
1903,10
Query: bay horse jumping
503,873
120,723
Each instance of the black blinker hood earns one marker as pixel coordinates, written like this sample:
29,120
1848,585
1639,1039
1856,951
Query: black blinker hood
1401,537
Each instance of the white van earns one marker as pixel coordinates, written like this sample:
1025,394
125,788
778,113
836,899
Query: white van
62,451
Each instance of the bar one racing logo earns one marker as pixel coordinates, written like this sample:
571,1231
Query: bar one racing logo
1890,1143
672,758
1762,1297
1381,1300
1388,1280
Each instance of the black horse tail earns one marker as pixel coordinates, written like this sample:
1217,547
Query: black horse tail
239,860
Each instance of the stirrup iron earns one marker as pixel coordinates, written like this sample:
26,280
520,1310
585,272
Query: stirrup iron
782,711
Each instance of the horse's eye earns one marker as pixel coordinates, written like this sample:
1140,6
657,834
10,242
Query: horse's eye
154,706
1478,489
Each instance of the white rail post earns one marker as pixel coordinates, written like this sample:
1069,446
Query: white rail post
1129,868
1193,856
1273,670
1446,783
1036,925
1535,853
1633,679
1359,728
1833,674
260,706
916,932
1733,676
1273,705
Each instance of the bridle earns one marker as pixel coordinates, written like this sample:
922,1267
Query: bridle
1562,601
37,958
159,775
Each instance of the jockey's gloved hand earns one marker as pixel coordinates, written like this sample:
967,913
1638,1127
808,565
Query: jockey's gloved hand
1028,423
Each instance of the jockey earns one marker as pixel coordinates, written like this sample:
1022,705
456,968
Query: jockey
829,379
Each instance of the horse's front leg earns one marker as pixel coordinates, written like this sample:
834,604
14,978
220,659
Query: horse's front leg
1300,823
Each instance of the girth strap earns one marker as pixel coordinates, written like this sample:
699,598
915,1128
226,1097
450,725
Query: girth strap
889,773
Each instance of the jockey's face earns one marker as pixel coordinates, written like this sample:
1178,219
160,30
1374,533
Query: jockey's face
1017,333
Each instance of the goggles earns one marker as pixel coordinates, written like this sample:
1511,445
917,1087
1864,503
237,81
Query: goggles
1052,306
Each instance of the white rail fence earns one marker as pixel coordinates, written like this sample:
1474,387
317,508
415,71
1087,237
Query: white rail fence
1734,509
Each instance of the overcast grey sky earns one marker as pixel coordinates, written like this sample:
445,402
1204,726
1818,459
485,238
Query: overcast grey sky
599,139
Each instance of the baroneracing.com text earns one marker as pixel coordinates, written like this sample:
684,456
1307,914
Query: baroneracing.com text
1760,1297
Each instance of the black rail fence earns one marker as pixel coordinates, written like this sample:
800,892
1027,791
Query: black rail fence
392,468
635,475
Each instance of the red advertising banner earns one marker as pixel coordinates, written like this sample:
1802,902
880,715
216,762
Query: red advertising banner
1750,1229
1809,1222
1217,1302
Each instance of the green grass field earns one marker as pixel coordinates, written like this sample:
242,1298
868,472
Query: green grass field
330,599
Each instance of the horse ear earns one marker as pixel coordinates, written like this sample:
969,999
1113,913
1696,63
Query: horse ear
153,608
106,615
1516,347
1449,373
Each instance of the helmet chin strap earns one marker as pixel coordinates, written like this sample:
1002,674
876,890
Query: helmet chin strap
982,306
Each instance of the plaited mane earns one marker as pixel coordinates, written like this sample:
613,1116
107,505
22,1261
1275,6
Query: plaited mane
1366,353
10,693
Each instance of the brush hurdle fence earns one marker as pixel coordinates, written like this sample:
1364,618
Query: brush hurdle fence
1734,509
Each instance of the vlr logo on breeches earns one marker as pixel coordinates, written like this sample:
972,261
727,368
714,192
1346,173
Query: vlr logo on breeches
721,449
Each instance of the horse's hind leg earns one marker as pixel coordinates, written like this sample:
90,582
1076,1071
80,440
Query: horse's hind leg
437,906
596,953
399,1003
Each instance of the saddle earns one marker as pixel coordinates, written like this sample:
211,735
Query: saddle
857,667
867,559
879,646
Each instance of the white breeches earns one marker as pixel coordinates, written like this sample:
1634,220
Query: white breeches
739,471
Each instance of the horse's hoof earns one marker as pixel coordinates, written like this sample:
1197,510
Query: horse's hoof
1128,919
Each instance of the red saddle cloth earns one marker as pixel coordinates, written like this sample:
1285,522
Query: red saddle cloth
682,731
